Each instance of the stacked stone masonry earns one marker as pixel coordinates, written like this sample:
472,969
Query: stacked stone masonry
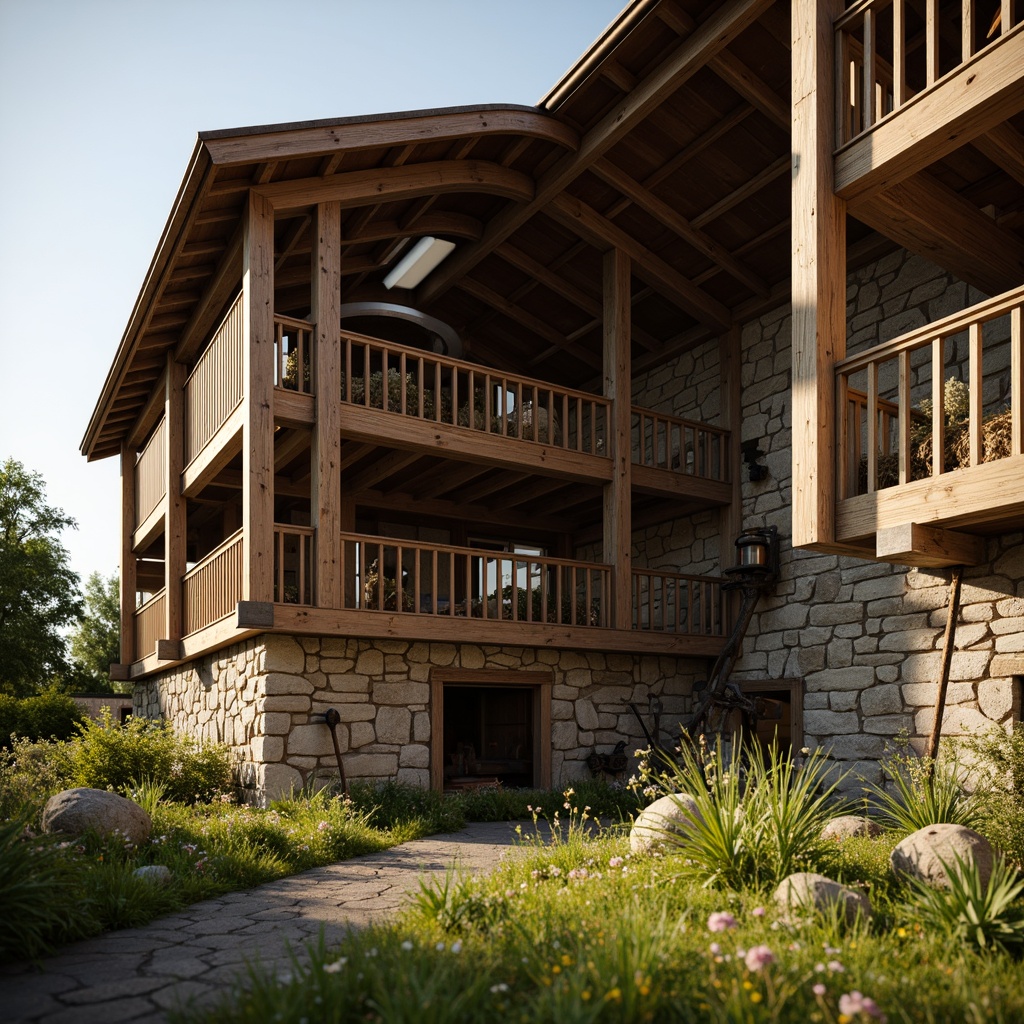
266,699
864,637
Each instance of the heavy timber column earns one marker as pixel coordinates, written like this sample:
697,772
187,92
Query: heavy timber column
258,402
174,519
129,565
326,453
617,494
819,273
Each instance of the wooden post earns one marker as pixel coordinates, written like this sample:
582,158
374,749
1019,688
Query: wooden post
175,526
618,539
730,416
819,273
325,458
258,402
129,566
947,657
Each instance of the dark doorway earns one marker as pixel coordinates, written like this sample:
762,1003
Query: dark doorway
781,713
488,734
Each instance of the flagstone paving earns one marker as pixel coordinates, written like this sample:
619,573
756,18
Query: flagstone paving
196,955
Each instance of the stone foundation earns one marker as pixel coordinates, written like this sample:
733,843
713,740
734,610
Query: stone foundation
266,698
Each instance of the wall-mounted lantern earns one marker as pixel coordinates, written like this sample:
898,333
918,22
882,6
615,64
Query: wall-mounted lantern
757,554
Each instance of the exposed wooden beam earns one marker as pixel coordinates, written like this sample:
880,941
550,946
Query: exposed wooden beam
710,38
739,77
1004,146
676,222
749,188
929,218
372,133
605,235
453,225
224,284
436,177
967,103
442,479
928,547
380,469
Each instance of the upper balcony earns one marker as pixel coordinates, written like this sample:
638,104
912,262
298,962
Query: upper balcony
931,437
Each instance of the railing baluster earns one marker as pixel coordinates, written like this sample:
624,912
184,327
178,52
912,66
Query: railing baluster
976,379
931,36
966,29
1016,374
868,97
938,406
899,53
872,438
904,417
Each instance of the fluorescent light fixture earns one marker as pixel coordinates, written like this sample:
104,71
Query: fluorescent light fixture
419,261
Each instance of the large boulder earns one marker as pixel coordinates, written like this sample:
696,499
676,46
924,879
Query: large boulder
75,811
806,891
848,825
667,820
926,853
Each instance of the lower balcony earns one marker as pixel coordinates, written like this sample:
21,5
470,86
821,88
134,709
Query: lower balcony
931,438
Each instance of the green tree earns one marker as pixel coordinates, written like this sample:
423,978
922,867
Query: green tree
96,640
39,593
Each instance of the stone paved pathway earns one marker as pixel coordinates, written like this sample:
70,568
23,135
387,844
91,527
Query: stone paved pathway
137,974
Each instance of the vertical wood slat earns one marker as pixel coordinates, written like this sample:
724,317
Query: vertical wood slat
1016,382
904,417
846,479
212,588
931,41
844,127
938,406
899,53
872,425
975,392
868,96
966,29
151,474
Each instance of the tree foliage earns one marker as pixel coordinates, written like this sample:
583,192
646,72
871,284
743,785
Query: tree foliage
96,640
39,593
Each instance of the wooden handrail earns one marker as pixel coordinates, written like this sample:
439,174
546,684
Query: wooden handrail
213,586
676,602
884,418
415,577
685,446
870,89
215,387
462,394
151,474
149,624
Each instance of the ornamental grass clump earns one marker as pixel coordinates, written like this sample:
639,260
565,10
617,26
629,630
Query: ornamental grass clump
758,815
926,792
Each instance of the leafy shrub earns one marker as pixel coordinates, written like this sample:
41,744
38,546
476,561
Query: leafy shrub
998,764
49,715
392,805
118,757
30,772
927,793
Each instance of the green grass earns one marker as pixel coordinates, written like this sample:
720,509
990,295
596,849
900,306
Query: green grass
580,931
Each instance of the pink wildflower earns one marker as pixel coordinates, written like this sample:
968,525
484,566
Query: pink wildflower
720,921
852,1003
715,948
758,911
819,990
615,862
759,957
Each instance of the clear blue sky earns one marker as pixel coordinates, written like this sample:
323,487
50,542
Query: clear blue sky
100,103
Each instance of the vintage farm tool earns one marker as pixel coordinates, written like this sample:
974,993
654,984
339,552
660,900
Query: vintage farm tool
332,718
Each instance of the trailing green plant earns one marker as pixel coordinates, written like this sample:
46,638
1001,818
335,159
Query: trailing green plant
113,756
48,715
758,817
988,915
926,793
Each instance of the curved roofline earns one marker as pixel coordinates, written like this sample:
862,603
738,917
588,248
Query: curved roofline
391,115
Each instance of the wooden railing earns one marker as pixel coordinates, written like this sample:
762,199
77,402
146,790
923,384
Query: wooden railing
293,564
214,387
149,625
888,51
683,446
873,429
442,390
390,575
213,586
674,602
151,474
293,353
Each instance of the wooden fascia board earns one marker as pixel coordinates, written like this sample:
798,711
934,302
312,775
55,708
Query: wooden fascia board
603,234
666,483
182,214
400,130
404,182
929,218
460,444
709,39
968,102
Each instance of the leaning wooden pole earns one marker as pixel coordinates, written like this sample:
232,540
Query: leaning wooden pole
952,614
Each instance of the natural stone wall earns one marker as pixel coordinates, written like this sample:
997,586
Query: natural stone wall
865,637
266,699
